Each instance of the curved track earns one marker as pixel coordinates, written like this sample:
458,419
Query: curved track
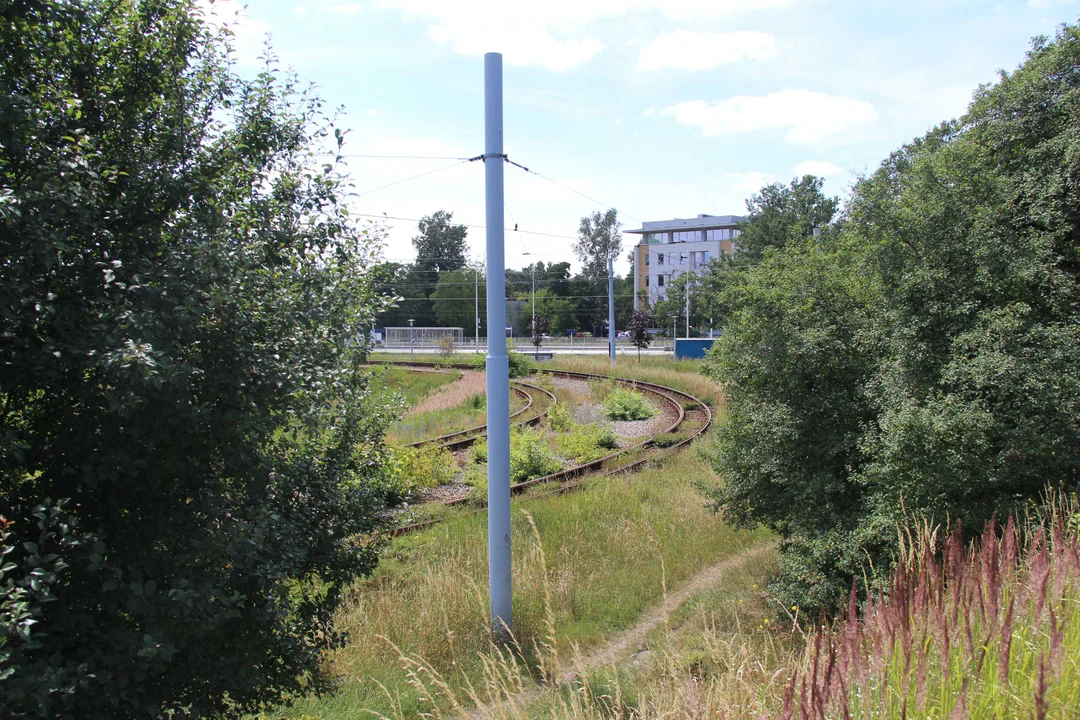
464,438
630,458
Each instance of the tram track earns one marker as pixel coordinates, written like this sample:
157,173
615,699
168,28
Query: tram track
691,414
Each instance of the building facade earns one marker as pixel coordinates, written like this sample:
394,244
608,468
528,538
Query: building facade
669,248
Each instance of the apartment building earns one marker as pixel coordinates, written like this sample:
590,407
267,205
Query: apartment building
669,248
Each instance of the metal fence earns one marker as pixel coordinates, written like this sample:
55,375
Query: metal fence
422,337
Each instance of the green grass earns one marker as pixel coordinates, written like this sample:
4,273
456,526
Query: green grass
608,550
411,386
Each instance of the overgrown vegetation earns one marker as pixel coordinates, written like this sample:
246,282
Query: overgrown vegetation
187,439
919,358
623,403
607,554
530,456
584,443
410,470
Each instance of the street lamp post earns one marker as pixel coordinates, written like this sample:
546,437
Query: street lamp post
412,342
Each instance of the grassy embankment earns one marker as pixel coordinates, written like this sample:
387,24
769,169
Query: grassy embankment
994,631
608,549
604,555
990,630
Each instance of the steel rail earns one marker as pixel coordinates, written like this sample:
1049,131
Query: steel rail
575,477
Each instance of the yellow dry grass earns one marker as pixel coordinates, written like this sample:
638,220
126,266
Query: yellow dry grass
449,396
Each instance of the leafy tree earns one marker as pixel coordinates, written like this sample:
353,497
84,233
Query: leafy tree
923,364
558,311
440,246
454,299
639,331
539,329
781,214
188,452
674,304
551,276
599,239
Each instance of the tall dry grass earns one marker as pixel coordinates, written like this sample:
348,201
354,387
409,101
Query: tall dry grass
986,630
682,375
606,553
990,630
449,396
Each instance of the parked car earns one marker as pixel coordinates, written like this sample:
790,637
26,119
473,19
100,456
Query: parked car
622,334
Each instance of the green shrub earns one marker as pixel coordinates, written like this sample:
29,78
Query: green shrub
476,402
606,438
584,443
476,476
519,365
625,404
478,452
530,457
558,419
691,405
413,469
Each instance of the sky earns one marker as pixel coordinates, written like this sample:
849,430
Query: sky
659,108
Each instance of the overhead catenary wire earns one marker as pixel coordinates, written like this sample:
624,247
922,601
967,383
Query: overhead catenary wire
567,187
414,177
394,157
471,227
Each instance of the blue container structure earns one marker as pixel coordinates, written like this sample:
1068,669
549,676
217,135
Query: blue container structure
692,348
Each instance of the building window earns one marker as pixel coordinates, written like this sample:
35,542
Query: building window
720,234
682,258
686,236
646,259
705,255
660,259
646,281
659,281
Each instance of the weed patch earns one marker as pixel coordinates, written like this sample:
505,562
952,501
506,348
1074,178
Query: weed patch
622,403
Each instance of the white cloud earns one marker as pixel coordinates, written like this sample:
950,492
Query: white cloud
820,168
685,50
808,116
749,182
648,112
555,34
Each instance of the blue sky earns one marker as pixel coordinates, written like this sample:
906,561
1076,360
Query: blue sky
661,108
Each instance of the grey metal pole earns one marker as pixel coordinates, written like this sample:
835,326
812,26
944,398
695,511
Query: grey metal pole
611,307
688,306
498,376
476,309
637,277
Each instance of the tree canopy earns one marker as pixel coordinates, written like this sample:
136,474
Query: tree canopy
599,239
923,364
189,457
441,244
781,214
454,299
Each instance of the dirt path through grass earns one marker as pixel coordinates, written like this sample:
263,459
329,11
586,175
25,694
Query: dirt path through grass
622,645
